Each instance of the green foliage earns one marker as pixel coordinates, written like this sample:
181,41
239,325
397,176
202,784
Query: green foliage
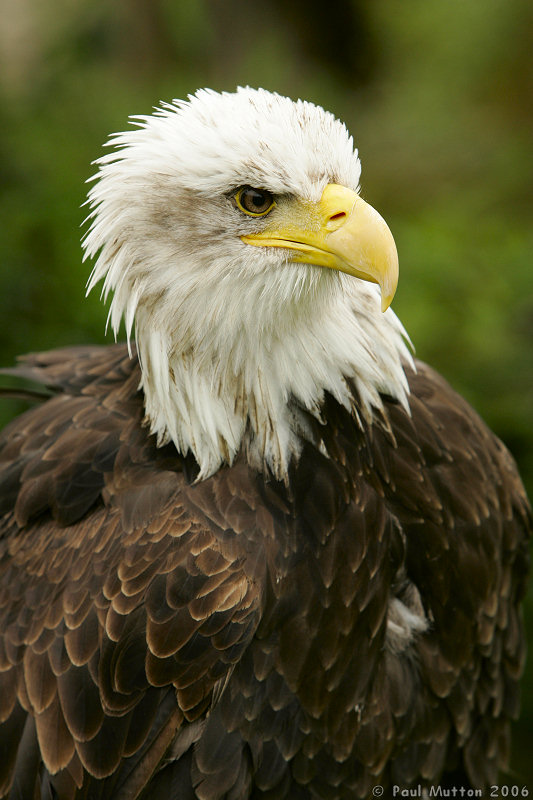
442,118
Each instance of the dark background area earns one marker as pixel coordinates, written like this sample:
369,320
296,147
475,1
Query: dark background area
438,96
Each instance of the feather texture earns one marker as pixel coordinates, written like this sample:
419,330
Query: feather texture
269,606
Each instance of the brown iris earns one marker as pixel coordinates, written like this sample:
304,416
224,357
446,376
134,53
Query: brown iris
254,202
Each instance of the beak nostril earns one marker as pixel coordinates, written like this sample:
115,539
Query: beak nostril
336,220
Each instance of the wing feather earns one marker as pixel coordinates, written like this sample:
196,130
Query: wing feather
125,581
238,631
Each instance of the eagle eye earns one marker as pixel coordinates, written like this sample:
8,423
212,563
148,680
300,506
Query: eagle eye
254,202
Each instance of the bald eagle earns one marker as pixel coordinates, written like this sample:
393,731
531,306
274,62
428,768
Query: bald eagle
258,551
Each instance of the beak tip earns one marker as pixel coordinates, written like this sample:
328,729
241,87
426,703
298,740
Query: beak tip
386,300
389,279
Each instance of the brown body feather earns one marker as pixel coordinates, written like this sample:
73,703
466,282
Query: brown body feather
234,638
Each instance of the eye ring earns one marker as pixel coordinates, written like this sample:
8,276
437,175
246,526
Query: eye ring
254,202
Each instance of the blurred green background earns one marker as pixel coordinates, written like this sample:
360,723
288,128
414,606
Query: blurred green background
438,95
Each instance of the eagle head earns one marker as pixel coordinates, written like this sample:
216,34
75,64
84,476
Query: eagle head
231,232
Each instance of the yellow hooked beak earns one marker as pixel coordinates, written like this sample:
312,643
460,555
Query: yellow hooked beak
341,232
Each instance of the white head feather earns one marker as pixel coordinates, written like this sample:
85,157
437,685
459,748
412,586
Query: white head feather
227,334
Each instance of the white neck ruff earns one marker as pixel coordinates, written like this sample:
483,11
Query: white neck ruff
233,394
